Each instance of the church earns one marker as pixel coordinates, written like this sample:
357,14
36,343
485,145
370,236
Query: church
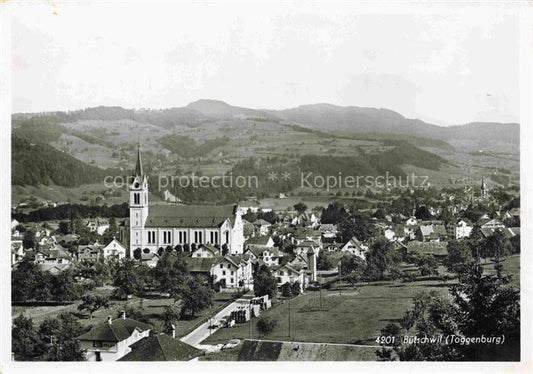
158,226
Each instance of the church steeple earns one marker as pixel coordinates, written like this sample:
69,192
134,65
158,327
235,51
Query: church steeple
139,164
483,186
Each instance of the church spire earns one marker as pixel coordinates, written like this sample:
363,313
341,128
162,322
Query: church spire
139,164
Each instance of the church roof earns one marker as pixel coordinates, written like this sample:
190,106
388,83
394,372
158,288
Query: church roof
139,164
190,216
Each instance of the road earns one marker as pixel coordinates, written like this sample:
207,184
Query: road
202,332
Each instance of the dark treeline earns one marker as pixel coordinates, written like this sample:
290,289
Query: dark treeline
187,147
70,211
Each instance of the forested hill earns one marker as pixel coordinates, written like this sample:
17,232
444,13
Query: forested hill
39,163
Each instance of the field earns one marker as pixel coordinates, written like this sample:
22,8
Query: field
348,315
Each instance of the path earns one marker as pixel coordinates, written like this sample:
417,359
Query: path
202,332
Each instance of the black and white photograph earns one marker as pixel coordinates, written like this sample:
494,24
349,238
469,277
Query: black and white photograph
230,182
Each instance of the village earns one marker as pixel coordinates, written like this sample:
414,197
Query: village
208,271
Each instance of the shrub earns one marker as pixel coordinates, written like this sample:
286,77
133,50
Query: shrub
266,325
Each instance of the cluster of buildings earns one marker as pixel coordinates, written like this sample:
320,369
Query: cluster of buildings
224,247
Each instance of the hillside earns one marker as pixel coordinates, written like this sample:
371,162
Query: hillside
210,137
372,120
37,163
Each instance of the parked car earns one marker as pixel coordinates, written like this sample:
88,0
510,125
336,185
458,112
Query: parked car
232,344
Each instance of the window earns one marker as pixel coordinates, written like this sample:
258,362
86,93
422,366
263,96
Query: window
151,237
223,272
136,198
167,238
221,266
232,273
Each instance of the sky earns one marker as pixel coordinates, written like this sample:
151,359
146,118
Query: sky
445,68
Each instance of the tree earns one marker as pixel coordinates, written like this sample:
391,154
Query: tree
496,245
63,286
129,278
480,305
265,325
171,316
28,240
25,342
381,258
427,264
300,207
325,261
137,253
423,213
357,225
26,280
62,333
296,288
264,282
334,213
64,228
459,256
170,274
195,297
93,302
286,290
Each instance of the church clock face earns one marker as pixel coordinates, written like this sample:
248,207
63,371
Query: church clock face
136,184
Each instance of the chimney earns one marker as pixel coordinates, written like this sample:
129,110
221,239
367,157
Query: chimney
173,331
123,314
109,320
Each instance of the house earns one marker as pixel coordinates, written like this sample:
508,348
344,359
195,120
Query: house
355,248
305,235
112,340
488,223
434,232
17,250
53,256
411,221
66,239
259,242
437,249
98,226
206,251
168,196
14,223
91,252
289,274
309,220
201,266
114,249
269,255
161,347
232,272
396,232
261,226
307,262
463,228
150,259
307,245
